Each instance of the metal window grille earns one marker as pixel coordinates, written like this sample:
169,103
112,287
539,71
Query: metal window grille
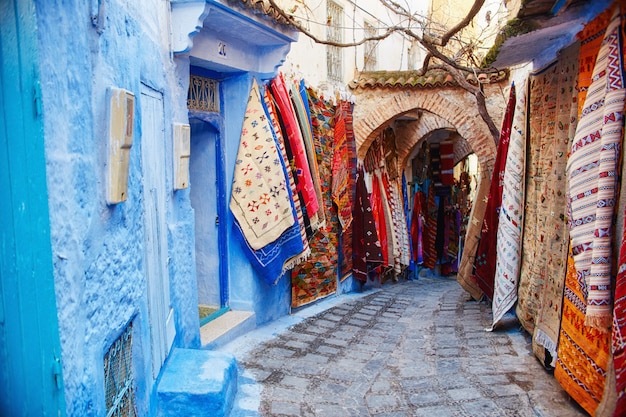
334,54
370,58
118,377
203,94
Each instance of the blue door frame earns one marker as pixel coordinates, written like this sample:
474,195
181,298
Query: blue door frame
31,380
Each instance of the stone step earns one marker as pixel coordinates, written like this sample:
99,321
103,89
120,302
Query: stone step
197,382
226,328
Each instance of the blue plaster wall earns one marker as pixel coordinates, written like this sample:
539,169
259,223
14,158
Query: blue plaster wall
98,250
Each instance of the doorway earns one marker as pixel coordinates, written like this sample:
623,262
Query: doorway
205,179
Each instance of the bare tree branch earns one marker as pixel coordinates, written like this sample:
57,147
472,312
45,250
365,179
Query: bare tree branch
478,4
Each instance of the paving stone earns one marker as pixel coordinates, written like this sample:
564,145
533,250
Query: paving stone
415,348
462,394
285,408
424,398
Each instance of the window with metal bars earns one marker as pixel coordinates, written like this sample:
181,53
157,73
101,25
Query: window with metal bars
370,59
334,54
203,94
118,376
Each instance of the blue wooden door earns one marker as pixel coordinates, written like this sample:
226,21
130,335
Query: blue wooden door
30,369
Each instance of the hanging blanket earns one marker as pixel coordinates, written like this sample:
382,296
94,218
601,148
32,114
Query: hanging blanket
430,229
273,259
296,199
619,331
592,173
304,180
511,219
447,163
583,351
343,164
542,117
317,277
259,201
376,201
417,227
365,244
554,244
472,238
485,263
304,121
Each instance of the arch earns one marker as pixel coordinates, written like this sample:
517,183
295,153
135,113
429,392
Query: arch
450,108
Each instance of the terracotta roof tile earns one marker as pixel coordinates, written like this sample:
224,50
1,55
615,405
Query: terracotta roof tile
413,79
264,7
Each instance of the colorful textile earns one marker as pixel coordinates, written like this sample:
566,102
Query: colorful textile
304,181
417,227
343,164
430,229
446,150
583,351
296,198
592,171
511,218
555,238
274,259
590,41
259,201
542,117
464,276
317,277
387,218
485,263
619,330
365,244
376,200
304,121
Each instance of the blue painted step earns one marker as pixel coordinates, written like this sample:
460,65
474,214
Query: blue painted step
197,383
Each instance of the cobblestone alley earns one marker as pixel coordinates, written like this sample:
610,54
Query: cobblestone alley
414,348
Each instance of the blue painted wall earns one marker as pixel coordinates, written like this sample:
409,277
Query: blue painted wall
98,250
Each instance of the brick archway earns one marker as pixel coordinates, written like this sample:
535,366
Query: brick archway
447,107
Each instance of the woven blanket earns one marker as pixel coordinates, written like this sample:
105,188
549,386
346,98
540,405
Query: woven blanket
447,163
317,277
392,240
402,227
304,181
511,218
430,229
590,41
485,263
583,351
343,184
395,219
343,165
260,201
618,340
275,258
417,227
464,276
555,238
592,172
304,121
378,211
365,244
542,119
270,108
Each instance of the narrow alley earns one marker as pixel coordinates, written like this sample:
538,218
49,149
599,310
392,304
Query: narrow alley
413,348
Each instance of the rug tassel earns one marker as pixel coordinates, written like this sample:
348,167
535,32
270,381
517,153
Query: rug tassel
601,323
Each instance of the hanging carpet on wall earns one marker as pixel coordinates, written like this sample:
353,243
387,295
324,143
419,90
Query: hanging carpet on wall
366,247
583,349
485,262
261,196
343,183
542,116
592,171
464,276
317,277
511,216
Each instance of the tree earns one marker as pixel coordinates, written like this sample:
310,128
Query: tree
439,54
